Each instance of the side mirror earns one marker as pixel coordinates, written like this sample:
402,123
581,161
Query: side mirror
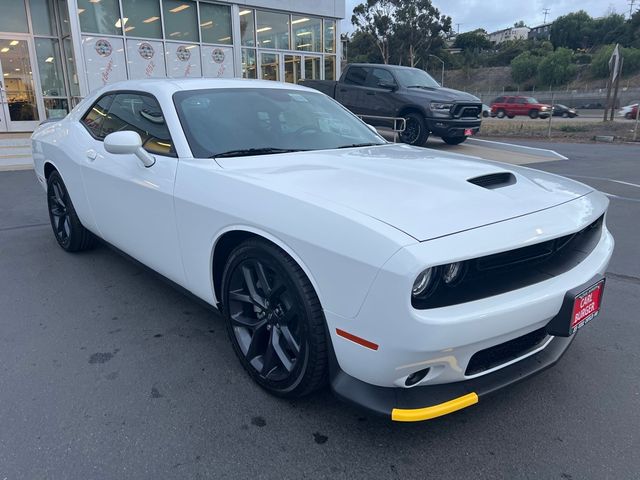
387,85
128,143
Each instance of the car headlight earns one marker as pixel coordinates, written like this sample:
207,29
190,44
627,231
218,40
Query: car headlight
425,283
544,109
453,273
441,106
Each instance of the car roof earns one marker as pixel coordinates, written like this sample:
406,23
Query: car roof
172,85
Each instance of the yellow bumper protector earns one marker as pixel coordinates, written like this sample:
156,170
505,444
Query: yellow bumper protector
427,413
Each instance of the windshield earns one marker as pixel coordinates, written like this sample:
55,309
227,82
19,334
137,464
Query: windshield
259,121
412,77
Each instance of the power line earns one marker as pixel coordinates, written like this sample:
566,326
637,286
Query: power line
546,12
631,4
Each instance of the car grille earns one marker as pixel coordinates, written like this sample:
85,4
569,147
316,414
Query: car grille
505,352
466,110
507,271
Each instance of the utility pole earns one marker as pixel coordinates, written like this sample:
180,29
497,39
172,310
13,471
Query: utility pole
458,25
546,12
631,4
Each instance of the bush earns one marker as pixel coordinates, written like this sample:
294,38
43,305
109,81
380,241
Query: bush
524,67
557,68
600,62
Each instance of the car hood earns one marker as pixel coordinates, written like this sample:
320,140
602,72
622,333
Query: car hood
441,94
422,192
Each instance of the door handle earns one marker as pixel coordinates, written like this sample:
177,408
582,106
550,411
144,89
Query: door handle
371,93
92,155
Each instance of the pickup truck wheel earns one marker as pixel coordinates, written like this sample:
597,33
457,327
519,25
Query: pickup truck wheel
533,114
415,132
274,320
454,140
500,114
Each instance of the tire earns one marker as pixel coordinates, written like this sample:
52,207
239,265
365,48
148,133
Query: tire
501,113
485,114
453,140
277,331
565,115
533,114
67,228
511,116
415,132
628,116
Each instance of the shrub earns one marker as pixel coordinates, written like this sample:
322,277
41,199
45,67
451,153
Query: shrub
524,67
557,68
600,62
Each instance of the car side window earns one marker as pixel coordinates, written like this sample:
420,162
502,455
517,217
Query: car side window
521,100
93,119
511,100
356,76
139,113
499,100
378,75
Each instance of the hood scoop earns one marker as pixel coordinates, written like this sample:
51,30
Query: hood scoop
494,180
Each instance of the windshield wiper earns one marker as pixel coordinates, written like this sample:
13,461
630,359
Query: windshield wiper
355,145
246,152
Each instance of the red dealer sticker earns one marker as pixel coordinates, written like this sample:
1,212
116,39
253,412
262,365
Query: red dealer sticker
468,132
586,306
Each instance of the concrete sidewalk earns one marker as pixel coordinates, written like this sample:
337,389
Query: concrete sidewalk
15,151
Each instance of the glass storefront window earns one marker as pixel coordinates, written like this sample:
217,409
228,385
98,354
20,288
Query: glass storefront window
215,23
330,67
312,68
43,20
56,107
248,63
270,66
273,30
143,18
63,10
18,80
71,67
292,68
100,17
247,28
13,16
50,67
329,36
180,20
307,33
183,60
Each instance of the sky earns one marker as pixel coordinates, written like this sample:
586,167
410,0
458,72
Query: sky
497,14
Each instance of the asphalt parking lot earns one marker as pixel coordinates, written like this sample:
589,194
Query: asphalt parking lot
106,371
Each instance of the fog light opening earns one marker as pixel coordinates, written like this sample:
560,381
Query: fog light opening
416,377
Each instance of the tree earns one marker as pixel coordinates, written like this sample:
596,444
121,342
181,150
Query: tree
524,68
362,48
572,30
556,68
418,27
376,18
475,40
519,24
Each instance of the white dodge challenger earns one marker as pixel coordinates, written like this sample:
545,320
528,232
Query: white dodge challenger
413,282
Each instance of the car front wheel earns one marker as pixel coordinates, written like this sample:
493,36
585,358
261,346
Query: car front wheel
67,228
274,319
533,114
500,114
415,131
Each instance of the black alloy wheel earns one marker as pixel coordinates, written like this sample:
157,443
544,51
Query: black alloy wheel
274,319
415,131
67,228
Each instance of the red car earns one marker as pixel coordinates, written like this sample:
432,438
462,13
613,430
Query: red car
511,106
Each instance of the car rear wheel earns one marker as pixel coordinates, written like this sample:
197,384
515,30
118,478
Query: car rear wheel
415,132
67,228
500,114
274,320
454,140
565,114
533,114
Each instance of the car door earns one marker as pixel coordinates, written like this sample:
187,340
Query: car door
511,107
378,99
350,92
132,204
521,106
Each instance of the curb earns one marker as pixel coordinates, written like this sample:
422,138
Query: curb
510,147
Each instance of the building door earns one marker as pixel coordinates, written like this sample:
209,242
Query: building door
312,67
20,109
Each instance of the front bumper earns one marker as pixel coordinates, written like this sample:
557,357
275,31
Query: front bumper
446,127
427,402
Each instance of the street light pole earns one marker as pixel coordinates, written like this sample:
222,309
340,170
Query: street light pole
441,61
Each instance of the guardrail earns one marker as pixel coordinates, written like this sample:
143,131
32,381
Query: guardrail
399,123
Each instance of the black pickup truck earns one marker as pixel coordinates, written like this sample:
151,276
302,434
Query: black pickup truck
372,90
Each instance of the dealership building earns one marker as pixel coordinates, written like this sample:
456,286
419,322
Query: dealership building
54,52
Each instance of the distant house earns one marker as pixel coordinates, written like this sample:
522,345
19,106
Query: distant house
541,32
512,33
